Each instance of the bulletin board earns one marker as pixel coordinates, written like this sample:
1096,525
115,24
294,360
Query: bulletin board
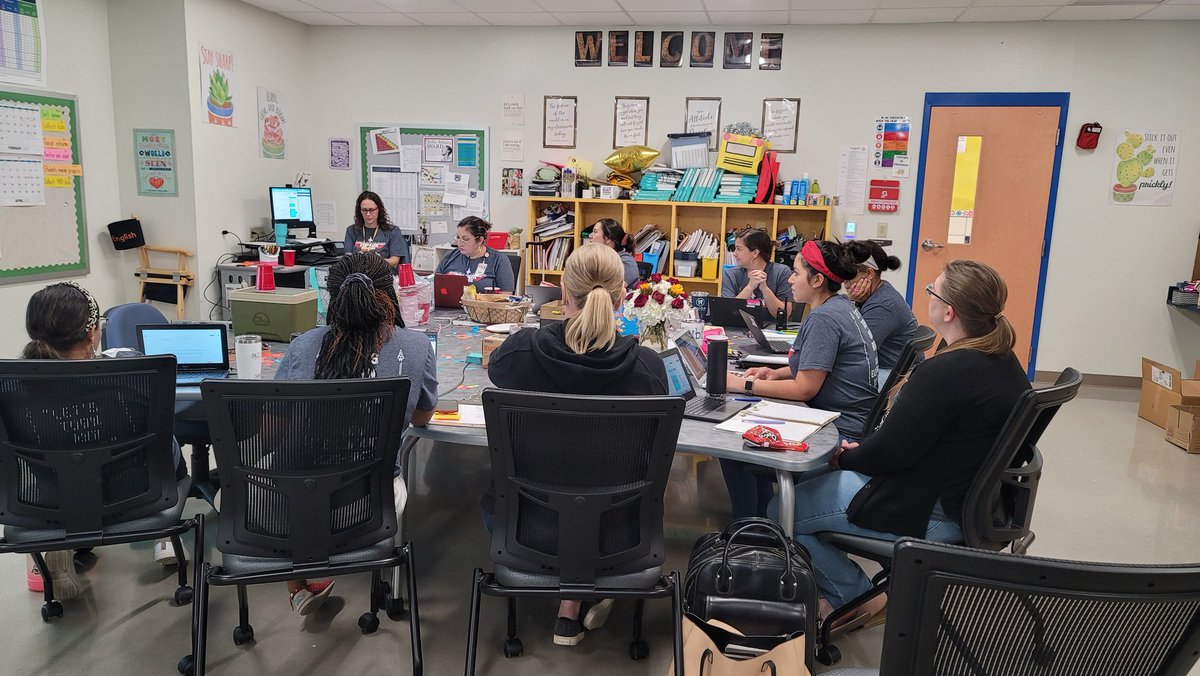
416,196
43,234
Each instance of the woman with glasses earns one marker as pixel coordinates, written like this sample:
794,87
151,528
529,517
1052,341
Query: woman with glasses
373,232
755,275
885,310
483,266
910,477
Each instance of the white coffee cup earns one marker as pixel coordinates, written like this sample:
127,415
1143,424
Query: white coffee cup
248,352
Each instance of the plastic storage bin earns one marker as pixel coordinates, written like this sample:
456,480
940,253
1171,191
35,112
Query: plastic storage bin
274,315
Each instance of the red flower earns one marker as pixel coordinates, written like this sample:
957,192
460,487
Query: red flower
677,303
656,278
640,301
658,297
672,281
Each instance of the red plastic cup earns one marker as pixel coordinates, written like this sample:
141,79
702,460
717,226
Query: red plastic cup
405,275
288,256
265,280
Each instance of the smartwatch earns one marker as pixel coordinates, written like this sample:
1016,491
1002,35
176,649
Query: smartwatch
749,386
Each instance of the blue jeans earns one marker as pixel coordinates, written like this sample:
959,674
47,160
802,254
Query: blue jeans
821,503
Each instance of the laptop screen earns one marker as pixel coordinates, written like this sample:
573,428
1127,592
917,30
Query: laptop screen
199,346
695,359
678,384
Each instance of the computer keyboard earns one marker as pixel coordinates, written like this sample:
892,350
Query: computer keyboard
780,346
700,405
197,376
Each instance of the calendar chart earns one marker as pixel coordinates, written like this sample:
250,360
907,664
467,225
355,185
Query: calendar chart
22,42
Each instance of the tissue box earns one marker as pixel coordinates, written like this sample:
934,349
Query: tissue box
490,343
553,311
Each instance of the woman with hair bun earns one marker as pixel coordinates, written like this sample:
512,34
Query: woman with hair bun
610,233
885,310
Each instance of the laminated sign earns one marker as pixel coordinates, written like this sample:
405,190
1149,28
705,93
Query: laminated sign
884,196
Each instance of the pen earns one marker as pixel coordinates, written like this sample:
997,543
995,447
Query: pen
764,422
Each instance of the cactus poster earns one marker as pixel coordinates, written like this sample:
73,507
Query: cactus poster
1144,166
271,123
216,88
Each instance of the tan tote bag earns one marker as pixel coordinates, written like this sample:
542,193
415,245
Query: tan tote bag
713,648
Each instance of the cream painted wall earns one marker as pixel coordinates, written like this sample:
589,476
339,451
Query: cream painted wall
77,63
1109,266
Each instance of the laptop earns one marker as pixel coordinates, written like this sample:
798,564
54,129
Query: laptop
724,311
542,294
201,350
448,290
773,346
693,357
710,409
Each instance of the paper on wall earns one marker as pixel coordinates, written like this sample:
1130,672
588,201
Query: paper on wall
325,216
457,186
398,191
512,145
410,159
852,179
513,109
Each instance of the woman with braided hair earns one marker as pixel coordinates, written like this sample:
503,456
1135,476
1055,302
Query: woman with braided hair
364,338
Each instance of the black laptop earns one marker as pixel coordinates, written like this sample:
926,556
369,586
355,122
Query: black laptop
711,409
773,346
724,311
201,350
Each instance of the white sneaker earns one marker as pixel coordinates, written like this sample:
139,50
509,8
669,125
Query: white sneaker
164,552
67,583
311,597
595,616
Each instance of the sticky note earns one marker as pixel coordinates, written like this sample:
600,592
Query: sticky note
56,142
63,170
59,181
53,125
56,154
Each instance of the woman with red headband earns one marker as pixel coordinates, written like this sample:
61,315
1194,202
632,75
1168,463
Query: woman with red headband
832,364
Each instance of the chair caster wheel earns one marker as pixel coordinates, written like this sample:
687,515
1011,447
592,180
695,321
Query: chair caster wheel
394,607
243,634
368,623
183,596
51,610
186,666
513,647
638,650
829,655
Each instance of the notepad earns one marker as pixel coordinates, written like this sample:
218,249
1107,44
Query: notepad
795,423
466,416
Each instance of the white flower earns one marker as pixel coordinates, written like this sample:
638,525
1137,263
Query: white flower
653,311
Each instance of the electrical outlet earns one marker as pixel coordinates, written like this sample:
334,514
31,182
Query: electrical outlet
881,230
261,232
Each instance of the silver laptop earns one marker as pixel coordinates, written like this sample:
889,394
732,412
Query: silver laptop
201,350
696,407
774,346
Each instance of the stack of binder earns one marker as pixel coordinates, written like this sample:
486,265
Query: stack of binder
736,189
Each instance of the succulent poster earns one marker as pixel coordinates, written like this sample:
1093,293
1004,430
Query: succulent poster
272,143
216,89
1144,167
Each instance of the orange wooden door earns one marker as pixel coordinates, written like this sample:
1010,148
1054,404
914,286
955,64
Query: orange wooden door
1018,159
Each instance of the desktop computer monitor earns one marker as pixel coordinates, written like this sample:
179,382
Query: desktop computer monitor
294,207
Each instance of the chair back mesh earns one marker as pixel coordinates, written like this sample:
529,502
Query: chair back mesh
580,481
65,424
306,466
921,341
961,611
998,507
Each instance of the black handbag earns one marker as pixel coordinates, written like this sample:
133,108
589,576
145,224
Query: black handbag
754,577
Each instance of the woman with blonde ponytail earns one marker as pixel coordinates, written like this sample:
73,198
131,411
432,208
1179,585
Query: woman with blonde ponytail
583,355
910,477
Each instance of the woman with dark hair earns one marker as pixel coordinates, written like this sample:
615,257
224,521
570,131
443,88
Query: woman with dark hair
885,310
373,231
910,477
831,365
755,275
63,322
365,338
482,265
610,233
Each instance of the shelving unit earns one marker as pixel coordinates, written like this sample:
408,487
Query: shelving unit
679,217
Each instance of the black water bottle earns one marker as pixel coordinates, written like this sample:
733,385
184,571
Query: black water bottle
718,364
781,318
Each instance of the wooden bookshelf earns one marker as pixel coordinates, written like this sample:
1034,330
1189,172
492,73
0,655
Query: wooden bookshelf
683,217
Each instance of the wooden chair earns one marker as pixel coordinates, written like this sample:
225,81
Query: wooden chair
180,276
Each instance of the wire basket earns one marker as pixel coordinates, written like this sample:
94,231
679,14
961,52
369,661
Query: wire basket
495,309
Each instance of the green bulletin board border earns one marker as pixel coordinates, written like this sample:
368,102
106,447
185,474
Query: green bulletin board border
29,274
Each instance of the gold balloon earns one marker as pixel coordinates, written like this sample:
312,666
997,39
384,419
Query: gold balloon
620,180
631,158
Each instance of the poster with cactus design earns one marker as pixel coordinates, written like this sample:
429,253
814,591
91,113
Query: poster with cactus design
216,86
1144,166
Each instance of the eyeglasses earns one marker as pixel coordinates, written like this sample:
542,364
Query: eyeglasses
367,210
466,238
929,290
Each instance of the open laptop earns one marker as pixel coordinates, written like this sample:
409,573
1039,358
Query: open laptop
448,290
201,350
711,409
774,346
724,311
693,357
541,295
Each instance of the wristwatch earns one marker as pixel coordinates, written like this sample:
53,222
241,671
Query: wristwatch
749,386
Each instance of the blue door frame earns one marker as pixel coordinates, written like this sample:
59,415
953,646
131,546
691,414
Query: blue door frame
952,100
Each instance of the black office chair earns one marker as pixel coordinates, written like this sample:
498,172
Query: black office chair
579,510
86,452
999,503
921,341
963,611
306,474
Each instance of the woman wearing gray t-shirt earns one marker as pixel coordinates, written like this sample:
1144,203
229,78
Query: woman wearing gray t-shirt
884,309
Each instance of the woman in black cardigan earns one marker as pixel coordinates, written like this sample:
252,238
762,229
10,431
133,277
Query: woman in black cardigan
910,477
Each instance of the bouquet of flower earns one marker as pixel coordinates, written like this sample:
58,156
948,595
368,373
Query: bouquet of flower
654,303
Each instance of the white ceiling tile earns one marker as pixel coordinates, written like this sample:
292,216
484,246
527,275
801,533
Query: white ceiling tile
661,5
580,5
348,5
744,5
1005,14
500,5
1099,13
928,15
834,4
422,5
748,18
378,18
447,18
1173,13
924,4
594,18
281,5
1019,3
316,18
670,19
519,18
831,16
1183,2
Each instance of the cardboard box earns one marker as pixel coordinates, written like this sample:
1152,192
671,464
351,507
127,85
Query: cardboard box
490,343
1183,427
1164,387
553,311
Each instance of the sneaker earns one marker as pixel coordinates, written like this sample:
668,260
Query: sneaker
313,596
595,615
60,566
568,632
164,552
33,578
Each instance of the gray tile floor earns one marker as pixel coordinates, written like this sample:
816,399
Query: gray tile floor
1113,490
